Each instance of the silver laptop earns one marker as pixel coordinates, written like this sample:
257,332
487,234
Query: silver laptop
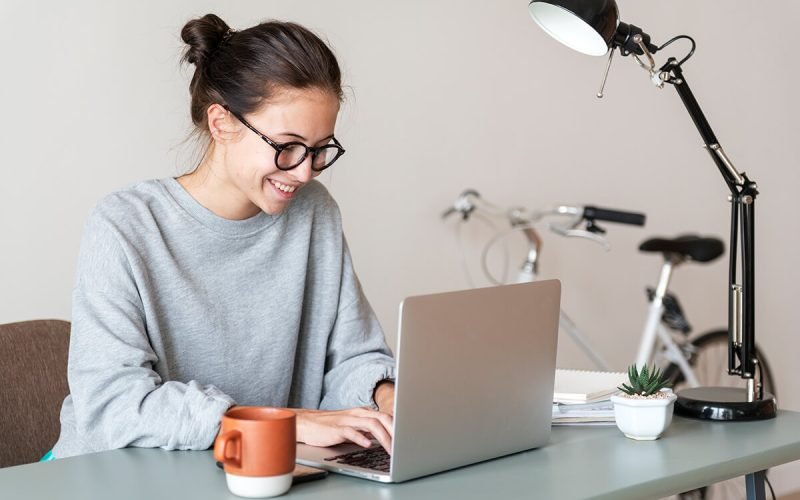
475,374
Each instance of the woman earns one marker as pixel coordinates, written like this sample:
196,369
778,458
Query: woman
231,284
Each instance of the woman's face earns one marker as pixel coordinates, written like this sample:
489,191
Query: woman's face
304,115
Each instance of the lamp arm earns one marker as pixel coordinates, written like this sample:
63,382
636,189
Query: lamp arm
729,173
741,297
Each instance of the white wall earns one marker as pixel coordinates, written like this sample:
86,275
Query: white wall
444,95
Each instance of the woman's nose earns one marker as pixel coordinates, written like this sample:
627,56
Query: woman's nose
303,172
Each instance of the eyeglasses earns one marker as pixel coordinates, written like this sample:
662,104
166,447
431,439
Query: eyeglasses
289,155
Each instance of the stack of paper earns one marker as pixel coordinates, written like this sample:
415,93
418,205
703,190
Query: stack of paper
598,413
584,397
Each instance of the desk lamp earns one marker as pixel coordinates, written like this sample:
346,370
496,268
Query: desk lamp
593,27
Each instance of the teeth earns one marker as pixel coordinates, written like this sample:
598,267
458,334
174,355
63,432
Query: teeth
283,187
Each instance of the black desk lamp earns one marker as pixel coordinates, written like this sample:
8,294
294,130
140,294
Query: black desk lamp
593,27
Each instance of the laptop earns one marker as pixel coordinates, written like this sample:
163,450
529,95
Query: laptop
475,372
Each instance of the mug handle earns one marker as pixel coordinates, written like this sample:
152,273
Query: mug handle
234,438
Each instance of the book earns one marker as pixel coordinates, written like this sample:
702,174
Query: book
597,413
583,386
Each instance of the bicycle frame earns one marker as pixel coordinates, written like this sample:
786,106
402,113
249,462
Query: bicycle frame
652,331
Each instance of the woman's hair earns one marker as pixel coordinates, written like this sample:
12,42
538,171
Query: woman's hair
244,69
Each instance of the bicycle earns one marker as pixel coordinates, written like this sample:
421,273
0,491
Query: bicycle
666,339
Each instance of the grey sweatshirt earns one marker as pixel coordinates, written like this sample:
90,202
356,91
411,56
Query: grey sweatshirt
179,314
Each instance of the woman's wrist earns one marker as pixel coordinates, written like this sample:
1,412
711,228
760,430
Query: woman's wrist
383,395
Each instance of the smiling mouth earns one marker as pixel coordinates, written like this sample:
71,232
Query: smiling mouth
283,187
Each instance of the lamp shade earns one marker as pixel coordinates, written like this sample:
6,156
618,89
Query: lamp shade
587,26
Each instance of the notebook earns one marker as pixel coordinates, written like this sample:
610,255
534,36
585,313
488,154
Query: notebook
582,386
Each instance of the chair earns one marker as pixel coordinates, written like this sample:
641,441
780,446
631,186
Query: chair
33,384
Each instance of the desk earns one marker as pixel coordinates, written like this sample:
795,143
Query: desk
596,462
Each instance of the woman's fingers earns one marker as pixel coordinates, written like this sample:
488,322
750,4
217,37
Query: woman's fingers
326,428
374,427
350,434
385,419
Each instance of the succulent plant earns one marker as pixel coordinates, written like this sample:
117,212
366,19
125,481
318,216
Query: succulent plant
644,383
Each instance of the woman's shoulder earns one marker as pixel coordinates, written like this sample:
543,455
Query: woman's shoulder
317,194
135,203
315,198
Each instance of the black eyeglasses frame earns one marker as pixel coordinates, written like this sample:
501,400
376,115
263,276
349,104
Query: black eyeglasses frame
280,146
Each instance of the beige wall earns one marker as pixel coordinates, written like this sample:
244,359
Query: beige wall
444,95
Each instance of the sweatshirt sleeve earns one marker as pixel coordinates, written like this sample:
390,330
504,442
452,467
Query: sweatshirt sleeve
119,399
358,357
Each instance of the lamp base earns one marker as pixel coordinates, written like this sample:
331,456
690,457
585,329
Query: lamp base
724,404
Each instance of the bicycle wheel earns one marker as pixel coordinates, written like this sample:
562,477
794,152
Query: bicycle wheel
708,357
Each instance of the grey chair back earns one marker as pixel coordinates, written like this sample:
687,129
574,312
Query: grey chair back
33,384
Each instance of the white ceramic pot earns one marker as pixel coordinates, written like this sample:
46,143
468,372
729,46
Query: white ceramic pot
644,419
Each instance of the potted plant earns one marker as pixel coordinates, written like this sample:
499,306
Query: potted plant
644,409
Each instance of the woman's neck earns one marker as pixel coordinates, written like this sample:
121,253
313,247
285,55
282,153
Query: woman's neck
210,185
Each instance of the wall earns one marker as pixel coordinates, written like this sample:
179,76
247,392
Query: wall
442,96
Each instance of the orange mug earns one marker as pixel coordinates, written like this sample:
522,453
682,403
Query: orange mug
257,447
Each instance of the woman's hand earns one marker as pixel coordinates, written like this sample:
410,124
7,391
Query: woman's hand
327,428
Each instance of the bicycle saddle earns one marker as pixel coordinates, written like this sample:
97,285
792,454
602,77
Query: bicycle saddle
692,246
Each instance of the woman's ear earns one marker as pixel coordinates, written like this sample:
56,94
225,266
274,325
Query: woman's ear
222,125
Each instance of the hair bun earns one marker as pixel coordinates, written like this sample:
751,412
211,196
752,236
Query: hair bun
203,35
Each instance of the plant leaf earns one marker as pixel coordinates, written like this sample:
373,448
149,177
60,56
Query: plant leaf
641,380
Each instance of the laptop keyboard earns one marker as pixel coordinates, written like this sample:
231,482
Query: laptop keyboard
371,458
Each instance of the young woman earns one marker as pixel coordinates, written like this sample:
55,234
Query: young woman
232,284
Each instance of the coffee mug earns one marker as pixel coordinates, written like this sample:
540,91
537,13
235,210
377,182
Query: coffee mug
256,446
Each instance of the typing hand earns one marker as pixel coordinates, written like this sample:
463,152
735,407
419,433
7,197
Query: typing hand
327,428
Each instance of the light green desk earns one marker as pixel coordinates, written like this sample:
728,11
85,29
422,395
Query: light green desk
578,463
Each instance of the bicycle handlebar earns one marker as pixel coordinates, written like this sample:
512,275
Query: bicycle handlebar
618,216
524,220
470,201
